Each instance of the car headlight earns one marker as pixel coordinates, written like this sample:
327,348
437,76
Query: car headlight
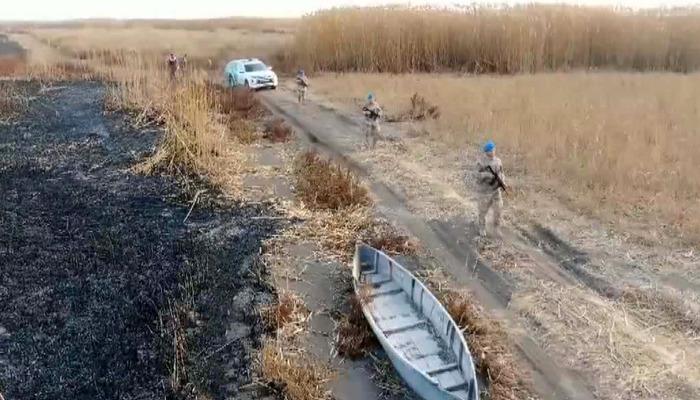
253,80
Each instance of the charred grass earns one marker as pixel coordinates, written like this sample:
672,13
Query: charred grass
14,100
153,300
204,332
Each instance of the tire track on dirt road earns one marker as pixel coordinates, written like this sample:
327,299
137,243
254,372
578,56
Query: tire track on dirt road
338,136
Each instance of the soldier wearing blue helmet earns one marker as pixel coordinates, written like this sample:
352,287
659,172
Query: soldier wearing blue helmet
490,182
372,112
302,86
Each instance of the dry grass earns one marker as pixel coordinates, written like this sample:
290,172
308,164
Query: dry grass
116,43
354,337
488,343
626,357
583,134
232,23
288,316
196,115
324,185
11,66
496,40
385,237
240,110
339,231
237,103
188,108
668,308
278,131
486,338
294,373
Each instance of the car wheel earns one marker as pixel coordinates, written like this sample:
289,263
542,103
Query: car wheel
230,81
247,85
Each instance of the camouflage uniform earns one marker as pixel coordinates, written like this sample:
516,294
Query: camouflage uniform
490,196
373,113
302,85
173,65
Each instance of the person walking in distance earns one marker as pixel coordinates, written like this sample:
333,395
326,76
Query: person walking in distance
172,66
183,63
372,112
302,86
490,182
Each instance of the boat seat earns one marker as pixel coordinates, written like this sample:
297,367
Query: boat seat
442,369
376,279
461,393
383,289
430,363
403,326
451,380
416,343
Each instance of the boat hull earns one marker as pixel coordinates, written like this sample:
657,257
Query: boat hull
376,275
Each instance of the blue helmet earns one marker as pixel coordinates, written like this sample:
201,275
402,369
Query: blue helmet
489,146
370,96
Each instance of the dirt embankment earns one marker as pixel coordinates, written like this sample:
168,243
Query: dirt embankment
104,291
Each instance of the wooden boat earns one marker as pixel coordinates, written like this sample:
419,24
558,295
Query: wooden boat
423,342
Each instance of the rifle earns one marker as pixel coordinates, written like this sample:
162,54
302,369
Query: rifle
497,179
373,114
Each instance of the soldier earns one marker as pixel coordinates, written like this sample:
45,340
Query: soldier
373,113
302,86
183,63
172,65
489,188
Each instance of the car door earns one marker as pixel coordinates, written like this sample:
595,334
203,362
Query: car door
228,73
238,74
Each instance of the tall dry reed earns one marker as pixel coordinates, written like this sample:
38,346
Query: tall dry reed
186,107
496,40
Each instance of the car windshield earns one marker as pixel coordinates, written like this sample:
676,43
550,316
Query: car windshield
255,67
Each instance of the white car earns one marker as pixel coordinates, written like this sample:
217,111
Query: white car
251,73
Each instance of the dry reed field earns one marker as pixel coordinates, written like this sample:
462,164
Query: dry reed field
216,44
624,143
595,106
497,40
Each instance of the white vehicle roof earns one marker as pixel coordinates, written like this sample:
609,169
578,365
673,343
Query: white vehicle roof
248,60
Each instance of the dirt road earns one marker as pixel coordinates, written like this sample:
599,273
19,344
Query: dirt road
100,279
545,340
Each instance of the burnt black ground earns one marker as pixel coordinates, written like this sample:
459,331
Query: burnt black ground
92,257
